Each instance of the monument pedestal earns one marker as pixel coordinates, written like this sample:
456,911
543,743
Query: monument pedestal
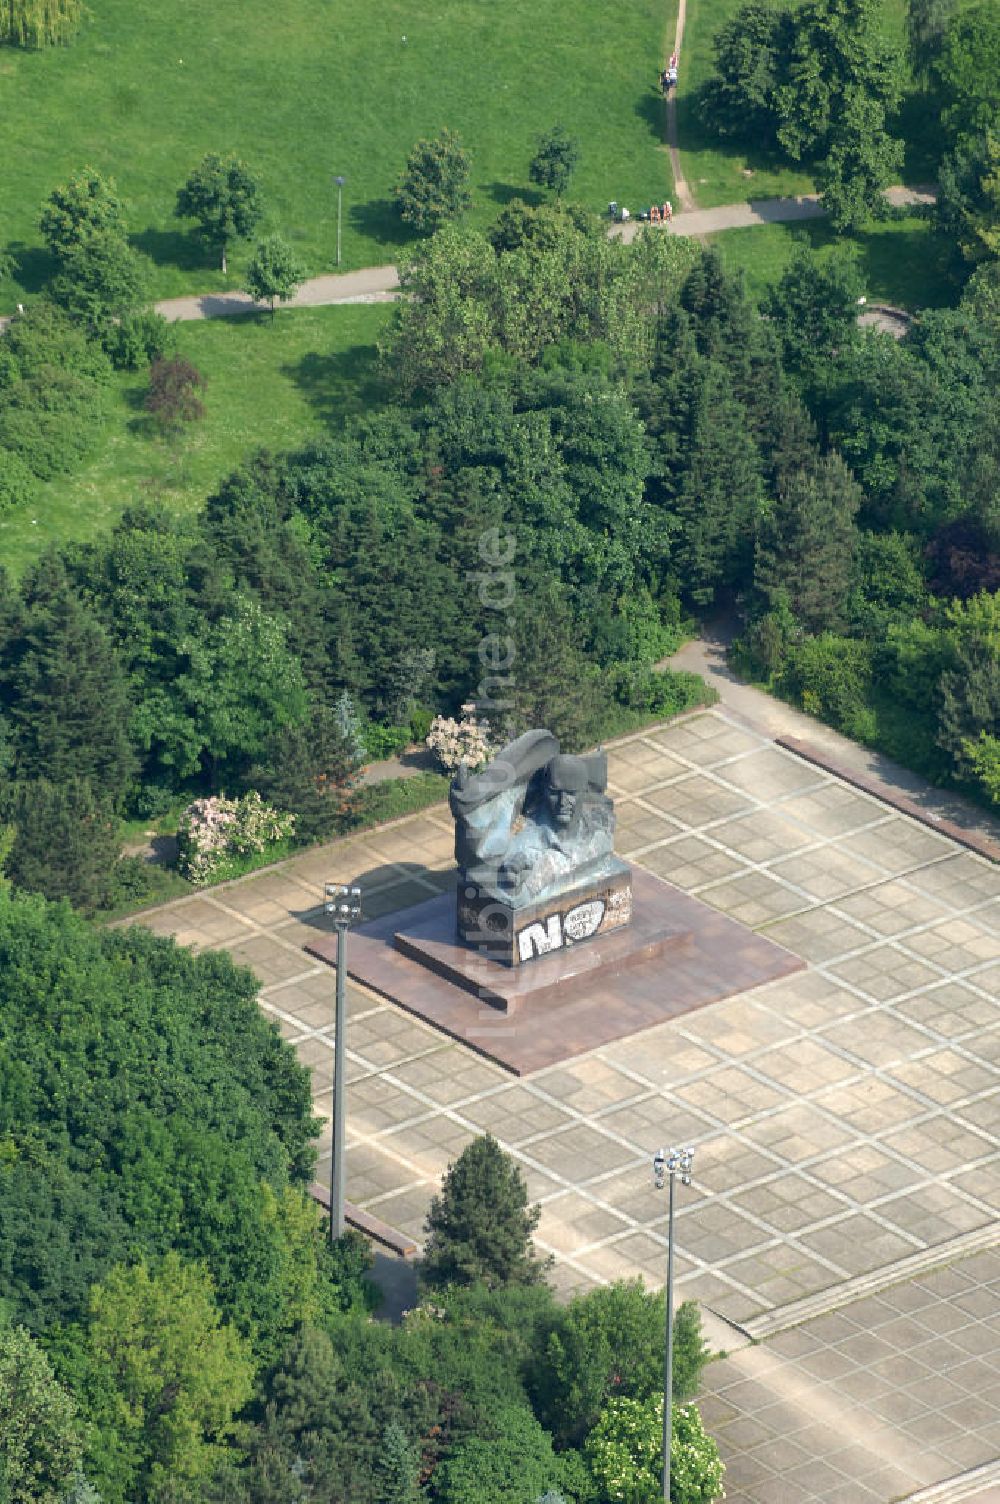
677,954
427,935
497,925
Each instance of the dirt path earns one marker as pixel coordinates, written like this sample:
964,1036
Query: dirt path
682,193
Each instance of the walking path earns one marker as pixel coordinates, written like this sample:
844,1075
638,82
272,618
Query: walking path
380,284
682,192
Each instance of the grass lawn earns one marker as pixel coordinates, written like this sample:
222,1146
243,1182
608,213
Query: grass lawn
902,261
268,386
313,90
720,171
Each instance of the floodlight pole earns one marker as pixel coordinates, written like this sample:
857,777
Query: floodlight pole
665,1167
340,181
344,905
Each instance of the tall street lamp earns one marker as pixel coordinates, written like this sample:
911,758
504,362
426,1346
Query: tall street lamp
343,904
340,181
665,1167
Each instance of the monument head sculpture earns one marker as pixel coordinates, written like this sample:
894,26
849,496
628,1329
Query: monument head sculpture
566,781
533,820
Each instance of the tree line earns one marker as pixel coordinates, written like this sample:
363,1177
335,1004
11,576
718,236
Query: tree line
175,1326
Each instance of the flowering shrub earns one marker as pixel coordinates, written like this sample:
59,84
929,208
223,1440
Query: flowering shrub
467,741
211,831
625,1454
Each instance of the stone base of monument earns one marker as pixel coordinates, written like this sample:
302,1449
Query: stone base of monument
676,955
514,934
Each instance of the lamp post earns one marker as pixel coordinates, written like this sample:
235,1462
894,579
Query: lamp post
340,181
665,1167
343,904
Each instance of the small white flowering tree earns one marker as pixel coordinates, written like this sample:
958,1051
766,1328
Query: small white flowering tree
625,1454
468,741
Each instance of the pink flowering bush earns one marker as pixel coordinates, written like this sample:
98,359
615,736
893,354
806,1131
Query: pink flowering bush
213,831
467,741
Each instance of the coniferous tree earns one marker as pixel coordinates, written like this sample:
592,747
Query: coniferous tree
806,542
308,770
551,681
721,493
479,1228
68,696
66,841
395,1469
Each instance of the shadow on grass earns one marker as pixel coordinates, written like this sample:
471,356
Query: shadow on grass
505,193
379,220
901,260
651,107
175,248
339,384
696,134
33,265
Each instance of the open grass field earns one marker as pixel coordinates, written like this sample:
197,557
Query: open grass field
723,172
269,386
309,90
901,260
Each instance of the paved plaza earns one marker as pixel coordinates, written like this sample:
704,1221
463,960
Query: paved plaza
844,1119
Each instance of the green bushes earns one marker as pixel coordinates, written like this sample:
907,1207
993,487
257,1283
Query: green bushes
52,391
832,677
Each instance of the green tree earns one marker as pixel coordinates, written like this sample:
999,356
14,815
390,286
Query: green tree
66,843
606,1344
87,205
445,323
181,1121
751,59
966,72
168,1379
555,159
102,282
223,195
720,493
479,1228
242,686
39,23
395,1469
66,694
967,211
814,311
17,484
40,1437
273,272
805,544
434,186
860,160
52,380
969,689
308,770
512,1464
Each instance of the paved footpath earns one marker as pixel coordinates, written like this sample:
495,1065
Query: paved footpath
380,284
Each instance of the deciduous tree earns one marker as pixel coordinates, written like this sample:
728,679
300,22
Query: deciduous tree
555,159
224,196
40,1434
88,204
274,272
434,186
